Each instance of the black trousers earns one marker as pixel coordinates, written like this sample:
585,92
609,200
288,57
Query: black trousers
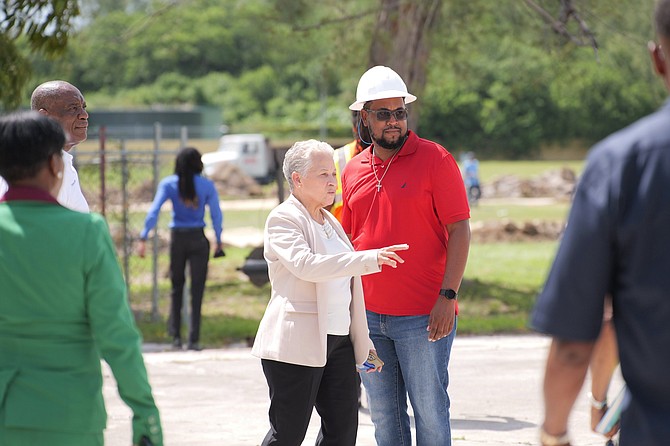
295,390
187,245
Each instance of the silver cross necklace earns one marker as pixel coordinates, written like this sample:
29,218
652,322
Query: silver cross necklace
372,164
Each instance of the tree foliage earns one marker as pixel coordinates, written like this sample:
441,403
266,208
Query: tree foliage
495,77
503,84
44,27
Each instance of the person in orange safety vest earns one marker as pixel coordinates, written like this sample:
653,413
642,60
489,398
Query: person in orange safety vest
344,154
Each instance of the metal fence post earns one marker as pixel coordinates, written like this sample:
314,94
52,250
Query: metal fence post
154,259
127,240
183,137
103,140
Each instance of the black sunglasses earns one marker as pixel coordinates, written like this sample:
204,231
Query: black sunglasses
400,114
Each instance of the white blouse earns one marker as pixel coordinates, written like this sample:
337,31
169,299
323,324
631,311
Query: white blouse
337,291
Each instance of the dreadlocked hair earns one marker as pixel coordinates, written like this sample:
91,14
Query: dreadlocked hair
662,18
187,165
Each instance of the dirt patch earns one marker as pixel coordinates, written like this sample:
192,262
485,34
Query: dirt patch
551,186
510,231
230,180
557,183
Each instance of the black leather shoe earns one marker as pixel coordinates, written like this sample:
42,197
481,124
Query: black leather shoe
176,342
194,346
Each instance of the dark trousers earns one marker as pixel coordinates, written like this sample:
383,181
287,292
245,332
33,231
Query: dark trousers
295,390
187,245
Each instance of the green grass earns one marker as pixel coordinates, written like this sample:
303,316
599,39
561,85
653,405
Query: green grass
232,306
500,285
499,289
524,169
234,218
518,265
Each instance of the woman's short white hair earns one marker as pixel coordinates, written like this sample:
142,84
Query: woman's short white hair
299,157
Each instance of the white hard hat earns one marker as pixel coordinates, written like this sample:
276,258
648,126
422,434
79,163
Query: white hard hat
380,83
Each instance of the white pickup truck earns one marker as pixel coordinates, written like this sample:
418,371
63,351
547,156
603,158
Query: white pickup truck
250,152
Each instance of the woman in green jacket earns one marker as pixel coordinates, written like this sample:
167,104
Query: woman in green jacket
63,305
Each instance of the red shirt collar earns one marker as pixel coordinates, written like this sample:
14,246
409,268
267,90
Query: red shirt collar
27,193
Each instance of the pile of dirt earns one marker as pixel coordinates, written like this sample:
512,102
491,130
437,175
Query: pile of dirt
552,185
143,193
230,180
510,231
556,183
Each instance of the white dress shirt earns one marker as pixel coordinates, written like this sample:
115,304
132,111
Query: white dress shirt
70,194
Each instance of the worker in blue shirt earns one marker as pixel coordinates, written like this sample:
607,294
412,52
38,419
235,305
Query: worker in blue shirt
190,193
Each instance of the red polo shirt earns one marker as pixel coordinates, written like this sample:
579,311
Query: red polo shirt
421,192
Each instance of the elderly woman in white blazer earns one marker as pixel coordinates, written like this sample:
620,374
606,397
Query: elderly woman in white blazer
314,330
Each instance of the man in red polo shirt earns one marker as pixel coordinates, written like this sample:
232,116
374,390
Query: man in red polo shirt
404,189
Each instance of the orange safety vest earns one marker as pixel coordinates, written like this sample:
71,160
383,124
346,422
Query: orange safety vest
341,158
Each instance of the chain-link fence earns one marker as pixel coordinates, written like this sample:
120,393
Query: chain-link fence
119,180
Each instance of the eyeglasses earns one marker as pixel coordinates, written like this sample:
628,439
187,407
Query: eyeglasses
400,114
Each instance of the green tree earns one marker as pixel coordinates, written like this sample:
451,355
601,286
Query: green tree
500,78
502,83
44,25
125,49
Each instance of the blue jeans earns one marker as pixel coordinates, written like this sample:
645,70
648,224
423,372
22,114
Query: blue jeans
413,366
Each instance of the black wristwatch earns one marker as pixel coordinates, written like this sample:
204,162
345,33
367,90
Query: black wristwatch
448,293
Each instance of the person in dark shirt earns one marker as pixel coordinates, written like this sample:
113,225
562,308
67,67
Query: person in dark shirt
616,243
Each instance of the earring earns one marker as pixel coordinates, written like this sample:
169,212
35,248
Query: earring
59,175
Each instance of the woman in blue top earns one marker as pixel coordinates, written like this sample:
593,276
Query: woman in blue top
189,193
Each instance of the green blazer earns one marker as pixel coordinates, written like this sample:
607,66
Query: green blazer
63,307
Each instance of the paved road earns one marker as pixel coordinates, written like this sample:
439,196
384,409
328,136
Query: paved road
219,397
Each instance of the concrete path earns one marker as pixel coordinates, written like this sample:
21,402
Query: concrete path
219,397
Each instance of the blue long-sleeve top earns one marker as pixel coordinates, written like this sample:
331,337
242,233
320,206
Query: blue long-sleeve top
184,216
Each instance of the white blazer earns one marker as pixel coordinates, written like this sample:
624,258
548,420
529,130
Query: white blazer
294,326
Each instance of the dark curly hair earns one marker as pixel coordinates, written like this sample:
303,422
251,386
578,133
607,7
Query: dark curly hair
662,18
187,165
28,140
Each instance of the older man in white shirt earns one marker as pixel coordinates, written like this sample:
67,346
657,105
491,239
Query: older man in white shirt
63,102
